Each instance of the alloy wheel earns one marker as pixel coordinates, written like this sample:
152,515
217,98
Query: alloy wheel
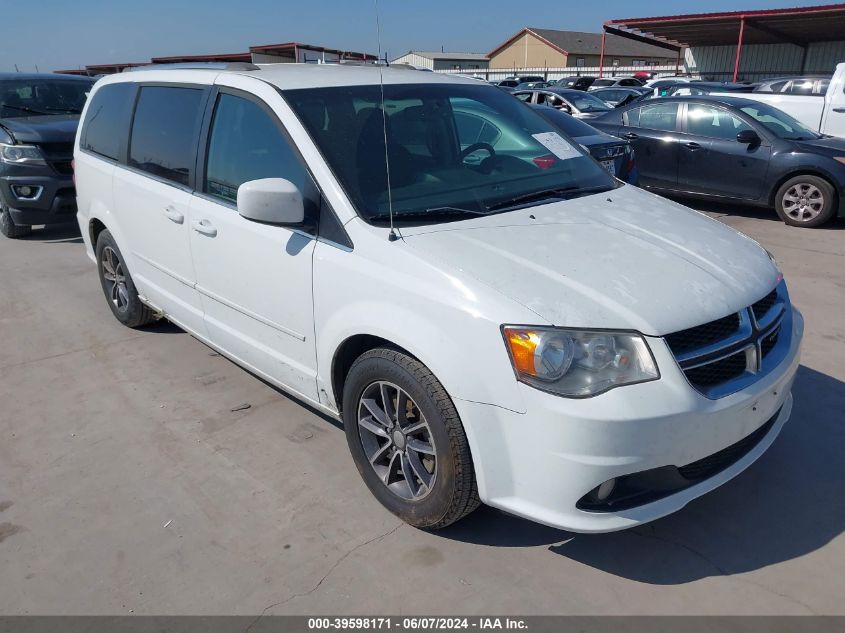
115,279
803,202
397,440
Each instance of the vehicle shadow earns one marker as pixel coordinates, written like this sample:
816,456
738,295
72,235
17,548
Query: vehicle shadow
67,233
786,505
735,209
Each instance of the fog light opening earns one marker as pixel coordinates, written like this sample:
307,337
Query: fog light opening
604,490
26,192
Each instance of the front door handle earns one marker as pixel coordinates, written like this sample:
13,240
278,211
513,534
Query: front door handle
173,215
630,136
692,145
205,227
839,109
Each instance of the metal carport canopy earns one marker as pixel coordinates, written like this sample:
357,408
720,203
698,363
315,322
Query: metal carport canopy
800,26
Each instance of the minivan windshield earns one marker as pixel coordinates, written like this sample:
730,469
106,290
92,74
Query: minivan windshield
454,150
34,97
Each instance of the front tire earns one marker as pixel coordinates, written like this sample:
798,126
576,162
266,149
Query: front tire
807,201
407,440
8,226
117,284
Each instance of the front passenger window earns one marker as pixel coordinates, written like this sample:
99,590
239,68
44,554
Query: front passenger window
246,143
704,120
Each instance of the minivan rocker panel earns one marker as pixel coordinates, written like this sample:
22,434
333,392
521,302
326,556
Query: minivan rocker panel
415,336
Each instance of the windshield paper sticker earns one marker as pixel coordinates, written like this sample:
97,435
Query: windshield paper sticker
557,145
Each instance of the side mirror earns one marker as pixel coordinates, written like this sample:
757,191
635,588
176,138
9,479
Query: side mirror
272,201
565,107
748,137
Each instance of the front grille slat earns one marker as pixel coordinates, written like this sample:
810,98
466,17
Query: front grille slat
718,371
731,348
762,307
703,335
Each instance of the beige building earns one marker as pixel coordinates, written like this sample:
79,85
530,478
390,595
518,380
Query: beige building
548,48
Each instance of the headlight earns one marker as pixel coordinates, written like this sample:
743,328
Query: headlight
578,363
21,154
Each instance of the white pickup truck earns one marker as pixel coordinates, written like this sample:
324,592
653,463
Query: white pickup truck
824,113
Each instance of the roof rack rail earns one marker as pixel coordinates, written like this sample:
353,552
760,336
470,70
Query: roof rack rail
197,66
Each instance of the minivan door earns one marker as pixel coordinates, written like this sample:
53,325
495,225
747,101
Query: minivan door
152,193
254,278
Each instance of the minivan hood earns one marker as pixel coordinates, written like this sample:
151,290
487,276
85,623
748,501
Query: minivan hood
624,259
59,128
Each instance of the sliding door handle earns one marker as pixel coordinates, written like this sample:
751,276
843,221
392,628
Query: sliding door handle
173,215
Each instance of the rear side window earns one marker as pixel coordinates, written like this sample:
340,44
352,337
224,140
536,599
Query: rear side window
163,132
663,116
246,144
107,120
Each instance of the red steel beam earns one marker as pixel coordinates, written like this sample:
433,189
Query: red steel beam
739,46
601,57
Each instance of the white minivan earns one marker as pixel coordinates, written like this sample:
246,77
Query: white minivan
491,314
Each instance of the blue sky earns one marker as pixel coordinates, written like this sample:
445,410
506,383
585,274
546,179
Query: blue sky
67,34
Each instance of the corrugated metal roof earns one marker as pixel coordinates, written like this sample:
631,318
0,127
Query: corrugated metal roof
798,25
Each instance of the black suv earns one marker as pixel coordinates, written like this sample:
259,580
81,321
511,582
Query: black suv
39,115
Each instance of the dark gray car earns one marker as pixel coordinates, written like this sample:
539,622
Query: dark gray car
729,148
39,114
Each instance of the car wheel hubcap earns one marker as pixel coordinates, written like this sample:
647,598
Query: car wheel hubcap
115,279
803,202
397,440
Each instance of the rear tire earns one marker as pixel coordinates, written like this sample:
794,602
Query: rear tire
807,201
117,284
8,226
411,451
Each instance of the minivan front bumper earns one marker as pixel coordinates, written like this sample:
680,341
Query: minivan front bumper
540,464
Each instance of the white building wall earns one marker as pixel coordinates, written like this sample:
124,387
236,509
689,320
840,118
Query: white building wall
415,60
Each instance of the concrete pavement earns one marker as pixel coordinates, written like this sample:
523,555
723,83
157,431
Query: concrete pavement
129,485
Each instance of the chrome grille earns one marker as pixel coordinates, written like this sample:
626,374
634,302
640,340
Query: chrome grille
726,355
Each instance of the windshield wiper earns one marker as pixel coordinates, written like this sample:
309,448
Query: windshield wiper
67,110
438,212
23,109
545,194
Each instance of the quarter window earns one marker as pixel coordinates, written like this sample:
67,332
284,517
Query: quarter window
246,144
163,132
107,120
714,122
663,116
